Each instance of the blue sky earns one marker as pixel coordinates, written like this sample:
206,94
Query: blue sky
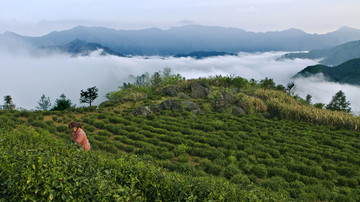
38,17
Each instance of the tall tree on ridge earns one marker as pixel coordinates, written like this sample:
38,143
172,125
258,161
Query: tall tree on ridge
89,95
44,103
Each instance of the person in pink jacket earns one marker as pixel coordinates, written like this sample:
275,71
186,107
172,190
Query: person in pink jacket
79,136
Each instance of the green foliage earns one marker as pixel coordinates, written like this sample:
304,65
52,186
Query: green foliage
8,105
339,103
272,158
267,83
89,95
259,170
89,128
62,103
44,103
230,171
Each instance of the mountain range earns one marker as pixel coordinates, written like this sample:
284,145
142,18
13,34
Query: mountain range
204,54
82,48
332,56
348,72
185,39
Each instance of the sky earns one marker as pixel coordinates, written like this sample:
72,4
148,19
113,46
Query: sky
39,17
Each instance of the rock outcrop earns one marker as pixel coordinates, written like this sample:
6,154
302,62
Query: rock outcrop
180,105
144,110
171,91
225,104
199,90
170,104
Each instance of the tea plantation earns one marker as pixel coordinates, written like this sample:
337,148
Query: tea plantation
260,144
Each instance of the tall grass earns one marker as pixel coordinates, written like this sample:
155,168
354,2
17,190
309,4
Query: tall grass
286,107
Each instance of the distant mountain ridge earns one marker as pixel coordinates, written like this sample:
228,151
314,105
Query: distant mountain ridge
348,72
189,38
204,54
333,56
82,48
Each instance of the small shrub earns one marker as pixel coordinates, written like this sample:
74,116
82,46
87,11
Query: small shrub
99,124
183,158
62,129
104,133
240,179
259,170
230,171
89,128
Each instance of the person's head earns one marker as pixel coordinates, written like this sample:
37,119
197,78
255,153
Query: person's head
74,126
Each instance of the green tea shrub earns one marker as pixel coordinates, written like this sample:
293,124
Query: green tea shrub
276,183
62,128
341,181
136,136
259,170
164,155
102,116
89,128
240,179
39,124
230,171
41,171
104,133
120,138
54,118
99,124
183,158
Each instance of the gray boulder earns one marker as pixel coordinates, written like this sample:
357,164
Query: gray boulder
223,102
183,95
144,110
237,111
199,90
171,91
180,105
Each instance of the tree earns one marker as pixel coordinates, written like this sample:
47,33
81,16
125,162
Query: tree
166,72
339,103
290,88
9,105
267,83
156,80
319,105
143,80
62,103
308,99
89,95
44,103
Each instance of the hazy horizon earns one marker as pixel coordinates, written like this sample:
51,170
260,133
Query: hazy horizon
165,29
39,17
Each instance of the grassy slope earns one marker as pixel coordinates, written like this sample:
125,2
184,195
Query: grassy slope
285,157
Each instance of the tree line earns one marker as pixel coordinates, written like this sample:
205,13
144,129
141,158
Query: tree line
44,104
337,103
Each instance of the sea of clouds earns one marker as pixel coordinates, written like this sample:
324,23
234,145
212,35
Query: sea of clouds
27,77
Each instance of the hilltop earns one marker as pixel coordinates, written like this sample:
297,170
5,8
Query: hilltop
167,138
204,54
332,56
82,48
348,72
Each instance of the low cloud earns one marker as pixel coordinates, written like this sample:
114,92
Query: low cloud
322,90
26,77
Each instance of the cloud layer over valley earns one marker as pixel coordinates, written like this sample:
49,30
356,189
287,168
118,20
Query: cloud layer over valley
26,78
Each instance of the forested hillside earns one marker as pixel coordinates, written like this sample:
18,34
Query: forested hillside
333,56
348,72
219,138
